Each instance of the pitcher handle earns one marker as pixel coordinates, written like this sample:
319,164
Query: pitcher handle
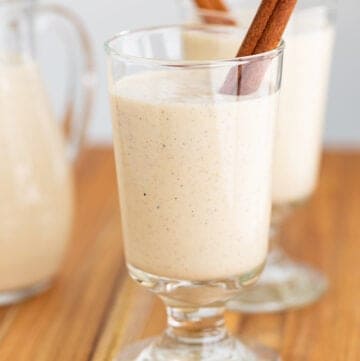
75,118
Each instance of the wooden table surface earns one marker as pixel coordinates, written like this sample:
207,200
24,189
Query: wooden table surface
93,310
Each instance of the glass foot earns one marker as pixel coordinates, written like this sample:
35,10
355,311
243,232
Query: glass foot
284,284
163,349
18,295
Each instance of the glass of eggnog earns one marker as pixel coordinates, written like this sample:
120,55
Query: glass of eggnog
194,165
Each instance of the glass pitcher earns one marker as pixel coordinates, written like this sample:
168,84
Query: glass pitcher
36,187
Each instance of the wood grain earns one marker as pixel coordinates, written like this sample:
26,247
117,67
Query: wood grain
93,309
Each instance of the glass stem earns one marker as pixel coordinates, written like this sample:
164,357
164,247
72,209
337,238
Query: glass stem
196,325
279,215
274,245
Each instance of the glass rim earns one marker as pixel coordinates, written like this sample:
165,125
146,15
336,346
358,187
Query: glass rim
177,63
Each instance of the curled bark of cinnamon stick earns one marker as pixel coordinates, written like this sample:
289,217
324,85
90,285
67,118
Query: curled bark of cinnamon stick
263,35
257,27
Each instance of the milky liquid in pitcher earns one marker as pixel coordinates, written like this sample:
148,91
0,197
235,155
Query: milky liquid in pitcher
36,195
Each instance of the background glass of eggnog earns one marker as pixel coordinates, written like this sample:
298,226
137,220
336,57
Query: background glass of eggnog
194,176
309,45
36,190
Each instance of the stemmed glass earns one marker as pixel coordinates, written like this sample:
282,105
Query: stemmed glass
194,176
309,44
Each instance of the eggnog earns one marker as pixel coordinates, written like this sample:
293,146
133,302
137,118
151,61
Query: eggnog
194,174
36,200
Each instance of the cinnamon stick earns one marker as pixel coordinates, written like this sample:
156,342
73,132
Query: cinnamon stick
215,6
257,27
263,35
204,4
219,5
275,27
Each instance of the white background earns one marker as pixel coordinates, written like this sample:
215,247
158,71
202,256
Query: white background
103,18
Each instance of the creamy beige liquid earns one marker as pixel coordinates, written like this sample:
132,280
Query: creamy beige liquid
302,114
194,175
36,200
308,53
199,45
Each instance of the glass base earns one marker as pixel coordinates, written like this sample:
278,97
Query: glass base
164,349
18,295
285,284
